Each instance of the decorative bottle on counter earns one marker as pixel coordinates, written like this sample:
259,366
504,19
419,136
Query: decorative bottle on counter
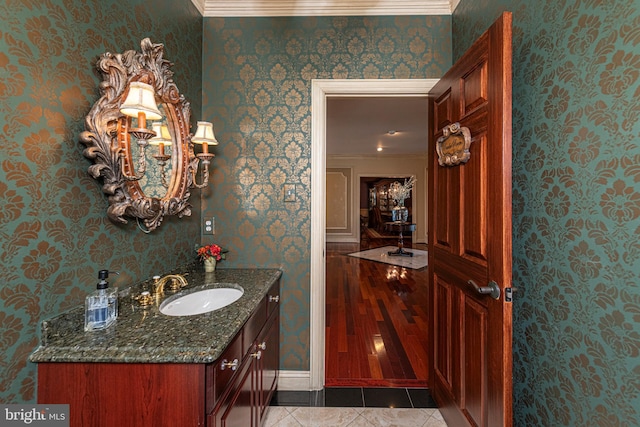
101,306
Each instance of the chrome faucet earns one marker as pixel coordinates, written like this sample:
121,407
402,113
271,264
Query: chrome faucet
175,281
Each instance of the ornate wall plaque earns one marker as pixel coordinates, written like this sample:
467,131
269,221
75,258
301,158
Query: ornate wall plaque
453,146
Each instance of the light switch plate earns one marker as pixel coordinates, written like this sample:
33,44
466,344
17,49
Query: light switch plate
289,192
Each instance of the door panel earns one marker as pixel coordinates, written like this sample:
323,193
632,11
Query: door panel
446,212
475,326
475,222
443,334
442,110
474,87
470,237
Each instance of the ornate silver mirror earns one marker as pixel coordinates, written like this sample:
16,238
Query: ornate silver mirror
146,171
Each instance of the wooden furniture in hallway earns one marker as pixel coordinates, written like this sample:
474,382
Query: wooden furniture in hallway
400,227
376,320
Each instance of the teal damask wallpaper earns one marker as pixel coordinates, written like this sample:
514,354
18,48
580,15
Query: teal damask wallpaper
576,200
576,180
54,232
257,90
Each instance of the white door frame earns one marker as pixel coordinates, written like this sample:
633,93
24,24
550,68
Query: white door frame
320,91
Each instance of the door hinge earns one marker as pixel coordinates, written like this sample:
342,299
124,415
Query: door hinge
508,294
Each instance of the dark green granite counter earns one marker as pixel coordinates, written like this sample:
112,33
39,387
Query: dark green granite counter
148,336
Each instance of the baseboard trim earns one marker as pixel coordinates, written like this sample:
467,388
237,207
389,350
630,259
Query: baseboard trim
294,380
341,239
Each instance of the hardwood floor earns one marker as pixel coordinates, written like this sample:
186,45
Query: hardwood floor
376,320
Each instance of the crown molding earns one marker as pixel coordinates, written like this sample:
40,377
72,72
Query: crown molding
271,8
377,156
199,4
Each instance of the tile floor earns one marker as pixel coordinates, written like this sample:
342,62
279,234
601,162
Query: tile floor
285,416
354,407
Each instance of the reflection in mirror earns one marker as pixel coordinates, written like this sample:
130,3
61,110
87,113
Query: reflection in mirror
162,141
157,157
141,104
137,135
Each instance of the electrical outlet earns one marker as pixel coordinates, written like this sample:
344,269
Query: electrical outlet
209,225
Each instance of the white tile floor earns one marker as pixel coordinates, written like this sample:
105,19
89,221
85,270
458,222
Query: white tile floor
284,416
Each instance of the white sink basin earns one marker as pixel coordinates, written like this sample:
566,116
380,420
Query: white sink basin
200,302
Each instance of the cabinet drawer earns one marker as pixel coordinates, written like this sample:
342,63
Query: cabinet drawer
236,407
220,373
254,325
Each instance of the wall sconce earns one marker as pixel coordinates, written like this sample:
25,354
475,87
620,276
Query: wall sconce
141,104
204,136
162,139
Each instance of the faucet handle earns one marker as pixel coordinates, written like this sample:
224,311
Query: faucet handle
144,299
173,281
174,284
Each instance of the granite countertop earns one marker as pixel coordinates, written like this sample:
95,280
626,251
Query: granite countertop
144,335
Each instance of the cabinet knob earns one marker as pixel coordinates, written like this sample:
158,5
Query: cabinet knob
257,355
262,345
226,364
274,298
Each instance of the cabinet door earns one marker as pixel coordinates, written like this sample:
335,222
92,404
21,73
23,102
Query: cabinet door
126,394
268,364
237,407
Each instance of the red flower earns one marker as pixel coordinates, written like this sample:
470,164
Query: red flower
210,251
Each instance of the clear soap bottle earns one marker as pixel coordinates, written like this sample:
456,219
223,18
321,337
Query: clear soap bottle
101,306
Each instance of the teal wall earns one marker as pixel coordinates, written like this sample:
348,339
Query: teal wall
576,206
54,232
257,90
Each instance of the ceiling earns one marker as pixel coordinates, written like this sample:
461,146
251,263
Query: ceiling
231,8
358,126
355,126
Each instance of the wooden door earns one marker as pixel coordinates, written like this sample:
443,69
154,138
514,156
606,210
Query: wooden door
470,235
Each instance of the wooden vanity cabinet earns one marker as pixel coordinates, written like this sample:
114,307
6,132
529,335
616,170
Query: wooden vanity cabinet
234,391
246,394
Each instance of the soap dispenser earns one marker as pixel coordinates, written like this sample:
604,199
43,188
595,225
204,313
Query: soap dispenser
101,306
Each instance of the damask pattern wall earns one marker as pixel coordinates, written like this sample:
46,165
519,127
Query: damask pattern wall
257,90
576,180
54,232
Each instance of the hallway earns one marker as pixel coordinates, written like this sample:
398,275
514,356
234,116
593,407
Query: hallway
376,320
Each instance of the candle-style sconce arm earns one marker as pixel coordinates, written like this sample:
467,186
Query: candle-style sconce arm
142,166
205,158
162,162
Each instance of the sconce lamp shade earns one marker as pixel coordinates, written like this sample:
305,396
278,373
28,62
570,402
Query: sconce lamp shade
162,134
204,134
141,99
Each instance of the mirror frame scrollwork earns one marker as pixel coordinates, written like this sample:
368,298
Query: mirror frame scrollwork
108,143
